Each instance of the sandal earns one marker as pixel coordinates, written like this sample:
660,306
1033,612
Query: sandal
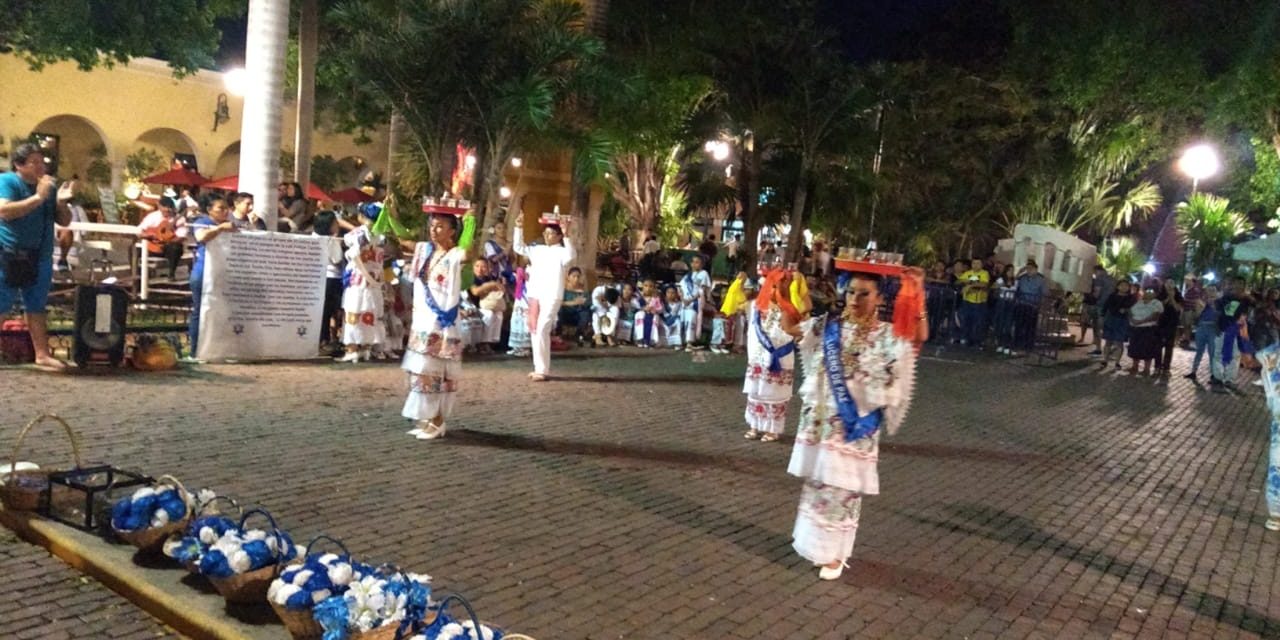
751,434
431,431
769,437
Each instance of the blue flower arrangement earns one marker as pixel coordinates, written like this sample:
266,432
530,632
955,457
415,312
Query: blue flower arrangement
318,577
201,534
447,628
239,551
149,507
375,600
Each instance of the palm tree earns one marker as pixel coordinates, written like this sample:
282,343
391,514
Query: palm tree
1208,225
1121,257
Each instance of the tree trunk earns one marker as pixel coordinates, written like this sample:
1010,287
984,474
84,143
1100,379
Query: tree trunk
308,37
579,205
267,34
750,209
395,137
795,238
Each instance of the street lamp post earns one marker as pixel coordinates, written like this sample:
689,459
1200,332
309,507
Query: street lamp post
1197,162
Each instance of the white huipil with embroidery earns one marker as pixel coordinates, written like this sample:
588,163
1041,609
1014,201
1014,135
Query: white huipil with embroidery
694,290
879,371
362,300
433,357
768,392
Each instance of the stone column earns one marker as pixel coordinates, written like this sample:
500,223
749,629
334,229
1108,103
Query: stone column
260,132
308,35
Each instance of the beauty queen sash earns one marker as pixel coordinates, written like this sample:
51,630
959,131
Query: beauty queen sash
443,317
855,426
775,355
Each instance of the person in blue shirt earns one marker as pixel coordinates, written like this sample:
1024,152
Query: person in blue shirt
206,228
30,204
1031,289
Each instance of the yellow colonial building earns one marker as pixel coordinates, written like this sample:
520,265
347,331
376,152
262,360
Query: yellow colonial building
106,114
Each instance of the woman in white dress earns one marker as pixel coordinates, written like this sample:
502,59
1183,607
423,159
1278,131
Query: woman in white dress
433,358
859,378
771,360
362,301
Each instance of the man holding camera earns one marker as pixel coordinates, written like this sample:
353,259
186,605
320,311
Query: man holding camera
30,204
973,310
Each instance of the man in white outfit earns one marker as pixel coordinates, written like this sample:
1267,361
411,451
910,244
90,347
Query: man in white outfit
545,289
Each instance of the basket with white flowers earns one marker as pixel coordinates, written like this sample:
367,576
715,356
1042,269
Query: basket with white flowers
242,562
208,525
302,585
383,604
152,514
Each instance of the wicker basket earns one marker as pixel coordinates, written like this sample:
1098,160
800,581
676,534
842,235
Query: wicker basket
301,624
22,490
251,587
150,539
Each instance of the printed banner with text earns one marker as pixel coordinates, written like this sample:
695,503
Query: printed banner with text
263,296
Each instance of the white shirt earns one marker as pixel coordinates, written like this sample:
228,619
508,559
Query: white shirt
651,246
694,286
547,265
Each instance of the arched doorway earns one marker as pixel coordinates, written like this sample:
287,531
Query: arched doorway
228,162
75,147
174,147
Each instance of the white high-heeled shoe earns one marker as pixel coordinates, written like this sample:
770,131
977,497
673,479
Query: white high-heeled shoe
831,573
431,431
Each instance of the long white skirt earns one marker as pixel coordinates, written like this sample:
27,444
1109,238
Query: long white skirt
492,325
827,522
363,323
433,383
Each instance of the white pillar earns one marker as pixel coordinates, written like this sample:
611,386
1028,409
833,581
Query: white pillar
264,78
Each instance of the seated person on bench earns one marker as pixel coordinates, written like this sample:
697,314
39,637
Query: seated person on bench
160,231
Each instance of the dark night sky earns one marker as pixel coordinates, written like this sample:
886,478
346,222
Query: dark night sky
868,29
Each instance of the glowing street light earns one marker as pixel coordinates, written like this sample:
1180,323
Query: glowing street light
1199,162
1210,277
504,192
719,149
516,162
236,81
1149,268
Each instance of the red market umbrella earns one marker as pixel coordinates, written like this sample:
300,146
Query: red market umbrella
232,183
351,196
177,177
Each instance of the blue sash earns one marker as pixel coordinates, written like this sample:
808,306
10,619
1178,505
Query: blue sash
775,355
689,290
855,426
444,318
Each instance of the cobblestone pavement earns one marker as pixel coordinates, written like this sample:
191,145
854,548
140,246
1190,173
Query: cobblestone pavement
40,597
622,501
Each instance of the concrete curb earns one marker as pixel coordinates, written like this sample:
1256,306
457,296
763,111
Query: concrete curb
158,586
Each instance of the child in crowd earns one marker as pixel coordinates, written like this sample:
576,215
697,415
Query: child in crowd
604,315
648,329
629,303
723,326
518,342
362,301
672,318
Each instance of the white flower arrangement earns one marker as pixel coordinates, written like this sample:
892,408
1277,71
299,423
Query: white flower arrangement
236,552
318,577
459,631
376,599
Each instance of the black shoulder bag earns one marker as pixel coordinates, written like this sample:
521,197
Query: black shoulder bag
21,266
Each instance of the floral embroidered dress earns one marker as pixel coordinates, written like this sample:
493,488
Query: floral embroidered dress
770,376
433,357
362,299
839,465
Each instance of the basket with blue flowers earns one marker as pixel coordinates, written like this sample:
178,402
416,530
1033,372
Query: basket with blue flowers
152,514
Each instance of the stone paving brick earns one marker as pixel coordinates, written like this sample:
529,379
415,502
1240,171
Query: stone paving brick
622,501
42,599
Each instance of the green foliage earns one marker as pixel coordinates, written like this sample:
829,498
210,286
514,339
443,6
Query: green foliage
326,173
1121,257
99,170
613,220
105,32
493,74
142,163
285,163
675,222
1208,225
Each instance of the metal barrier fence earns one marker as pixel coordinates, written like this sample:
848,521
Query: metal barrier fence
1004,323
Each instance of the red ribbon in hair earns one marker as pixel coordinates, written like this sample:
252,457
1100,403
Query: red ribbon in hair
907,308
